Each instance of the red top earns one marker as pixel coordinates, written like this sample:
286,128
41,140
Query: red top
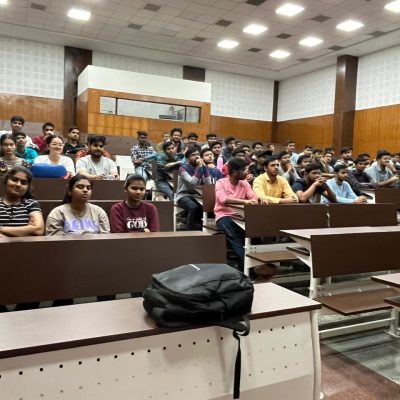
40,142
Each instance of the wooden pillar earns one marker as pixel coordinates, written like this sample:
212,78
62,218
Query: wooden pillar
345,101
75,61
274,132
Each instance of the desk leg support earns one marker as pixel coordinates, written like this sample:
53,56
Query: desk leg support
316,356
394,323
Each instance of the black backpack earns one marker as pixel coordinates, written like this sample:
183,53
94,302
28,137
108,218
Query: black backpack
202,294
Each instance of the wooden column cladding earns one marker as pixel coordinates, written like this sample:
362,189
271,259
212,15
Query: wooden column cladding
274,134
75,61
345,101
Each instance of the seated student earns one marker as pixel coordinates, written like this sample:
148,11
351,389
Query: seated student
358,178
331,151
17,123
379,172
230,191
341,188
237,152
85,151
73,145
211,138
133,214
40,141
346,158
291,147
216,149
302,162
159,146
208,158
22,151
395,160
167,162
272,188
141,154
257,167
8,159
366,157
96,165
228,148
318,158
176,139
257,147
20,215
313,186
76,215
55,157
286,169
308,148
193,137
191,174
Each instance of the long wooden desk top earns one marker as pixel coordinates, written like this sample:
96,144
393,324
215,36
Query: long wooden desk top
389,279
306,234
50,329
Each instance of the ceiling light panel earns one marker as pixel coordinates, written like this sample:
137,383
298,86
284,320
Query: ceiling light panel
349,25
255,29
289,10
81,15
227,44
3,2
279,54
393,6
310,41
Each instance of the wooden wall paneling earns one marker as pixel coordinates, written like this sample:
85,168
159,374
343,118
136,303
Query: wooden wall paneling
317,131
377,128
244,129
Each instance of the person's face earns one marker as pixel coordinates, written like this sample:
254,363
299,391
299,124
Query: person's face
142,139
328,158
185,141
261,160
176,136
136,190
208,157
307,151
192,140
271,147
56,146
367,161
318,156
242,173
258,147
17,185
285,159
347,155
20,141
384,161
290,147
211,140
193,158
48,130
240,156
8,147
246,150
231,145
313,175
16,126
304,162
81,191
166,137
96,149
273,168
342,174
170,150
216,150
361,166
74,134
396,159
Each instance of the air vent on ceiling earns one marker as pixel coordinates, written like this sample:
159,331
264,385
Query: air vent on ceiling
223,22
39,7
134,26
284,36
320,18
335,48
152,7
199,39
254,50
255,2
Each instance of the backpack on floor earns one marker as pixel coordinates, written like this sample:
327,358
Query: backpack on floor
202,294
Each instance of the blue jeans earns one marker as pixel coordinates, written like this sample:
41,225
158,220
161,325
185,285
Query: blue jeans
143,171
235,235
194,210
165,187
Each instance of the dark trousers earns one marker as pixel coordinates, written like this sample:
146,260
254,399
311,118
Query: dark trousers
235,236
194,212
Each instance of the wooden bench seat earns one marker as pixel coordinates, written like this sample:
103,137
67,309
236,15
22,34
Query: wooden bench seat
393,301
272,256
359,302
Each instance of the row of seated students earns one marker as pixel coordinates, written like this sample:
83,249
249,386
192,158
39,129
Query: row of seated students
20,214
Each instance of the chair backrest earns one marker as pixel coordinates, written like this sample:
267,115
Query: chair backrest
388,195
341,215
208,198
268,220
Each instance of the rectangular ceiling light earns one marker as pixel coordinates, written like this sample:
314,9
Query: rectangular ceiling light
255,29
227,44
3,2
279,54
310,41
81,15
289,10
393,6
349,25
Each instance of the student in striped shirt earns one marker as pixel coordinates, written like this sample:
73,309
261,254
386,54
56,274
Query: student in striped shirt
20,215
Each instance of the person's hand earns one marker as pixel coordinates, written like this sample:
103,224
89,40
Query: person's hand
169,165
288,200
320,182
211,165
139,161
102,176
250,201
146,230
200,162
290,168
360,200
394,178
263,201
249,178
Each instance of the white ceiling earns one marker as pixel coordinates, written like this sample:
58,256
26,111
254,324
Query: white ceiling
167,34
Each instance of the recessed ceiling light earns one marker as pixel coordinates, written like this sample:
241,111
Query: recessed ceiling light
279,54
289,9
82,15
3,2
349,25
393,6
227,44
255,29
310,41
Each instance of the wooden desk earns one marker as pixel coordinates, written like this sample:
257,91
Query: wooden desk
388,195
389,279
111,350
49,268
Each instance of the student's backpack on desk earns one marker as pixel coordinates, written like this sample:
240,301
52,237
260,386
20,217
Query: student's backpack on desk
202,294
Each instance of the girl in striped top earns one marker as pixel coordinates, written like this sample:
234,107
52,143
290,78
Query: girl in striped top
20,215
8,158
